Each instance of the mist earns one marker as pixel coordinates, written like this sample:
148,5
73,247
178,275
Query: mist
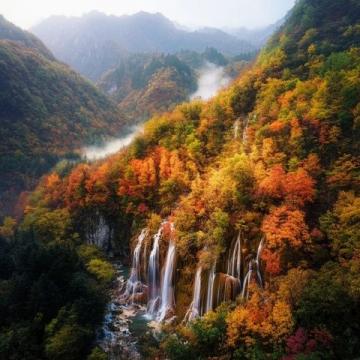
96,152
211,79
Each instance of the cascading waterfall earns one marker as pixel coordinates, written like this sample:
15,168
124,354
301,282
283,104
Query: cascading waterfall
153,274
244,135
236,129
247,280
210,289
234,262
167,291
195,307
134,284
159,271
257,261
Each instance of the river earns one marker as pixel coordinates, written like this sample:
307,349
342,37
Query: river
123,324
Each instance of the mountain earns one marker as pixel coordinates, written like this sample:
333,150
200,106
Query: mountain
46,111
256,37
143,85
240,218
95,43
149,84
9,31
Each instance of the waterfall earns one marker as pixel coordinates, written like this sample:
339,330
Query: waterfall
210,289
167,290
236,129
247,280
234,262
244,135
134,284
153,274
195,307
257,261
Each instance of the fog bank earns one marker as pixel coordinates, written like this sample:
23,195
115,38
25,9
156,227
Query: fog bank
211,79
96,152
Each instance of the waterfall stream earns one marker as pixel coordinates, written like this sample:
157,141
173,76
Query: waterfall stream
158,294
236,128
123,323
134,283
244,135
154,275
210,289
247,280
234,262
167,289
257,261
195,307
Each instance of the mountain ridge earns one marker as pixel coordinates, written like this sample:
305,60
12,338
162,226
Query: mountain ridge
72,39
46,111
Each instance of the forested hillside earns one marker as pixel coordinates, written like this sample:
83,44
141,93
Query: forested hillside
9,31
146,84
46,111
257,192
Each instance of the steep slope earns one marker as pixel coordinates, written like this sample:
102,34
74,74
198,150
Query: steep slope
9,31
259,191
149,84
95,42
46,110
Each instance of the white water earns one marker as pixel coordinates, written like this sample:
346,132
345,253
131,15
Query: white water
257,261
167,289
210,289
195,307
234,262
247,280
134,282
112,146
244,136
211,79
154,274
236,128
161,295
115,336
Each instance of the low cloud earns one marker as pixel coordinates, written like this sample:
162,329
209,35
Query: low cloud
211,79
96,152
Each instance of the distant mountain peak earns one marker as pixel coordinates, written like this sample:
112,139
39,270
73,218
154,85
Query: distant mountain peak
95,43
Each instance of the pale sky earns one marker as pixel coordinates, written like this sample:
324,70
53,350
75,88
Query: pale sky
215,13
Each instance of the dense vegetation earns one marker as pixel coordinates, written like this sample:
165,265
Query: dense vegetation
46,111
144,84
147,84
9,31
52,294
274,155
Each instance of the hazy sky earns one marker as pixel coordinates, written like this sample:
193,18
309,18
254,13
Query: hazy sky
216,13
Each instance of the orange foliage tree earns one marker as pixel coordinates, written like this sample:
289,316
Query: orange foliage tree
296,188
264,318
